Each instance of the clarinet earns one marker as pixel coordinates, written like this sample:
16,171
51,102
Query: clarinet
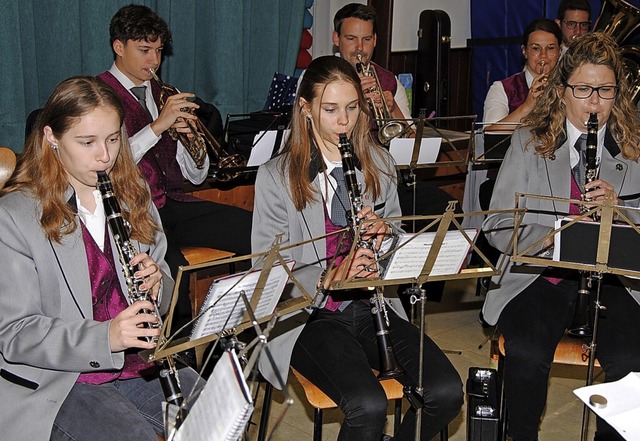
389,366
580,327
120,229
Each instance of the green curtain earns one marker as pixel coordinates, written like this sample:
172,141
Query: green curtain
225,51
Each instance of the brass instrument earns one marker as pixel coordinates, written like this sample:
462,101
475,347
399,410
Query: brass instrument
387,128
389,367
621,21
199,140
167,371
581,327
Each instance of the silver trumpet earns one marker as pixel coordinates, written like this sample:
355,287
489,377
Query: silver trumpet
387,128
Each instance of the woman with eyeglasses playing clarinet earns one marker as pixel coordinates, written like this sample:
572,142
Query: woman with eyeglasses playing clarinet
533,305
297,195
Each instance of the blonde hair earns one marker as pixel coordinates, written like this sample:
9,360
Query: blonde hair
300,147
40,171
547,119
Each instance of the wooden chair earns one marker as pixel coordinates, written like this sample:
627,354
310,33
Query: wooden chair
570,351
7,164
320,401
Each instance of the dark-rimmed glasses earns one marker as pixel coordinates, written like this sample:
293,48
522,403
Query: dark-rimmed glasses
584,25
582,91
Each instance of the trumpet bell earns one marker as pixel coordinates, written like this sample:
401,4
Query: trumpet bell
390,130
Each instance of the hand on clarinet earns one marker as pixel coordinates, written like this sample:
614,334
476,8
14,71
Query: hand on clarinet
126,329
376,231
149,271
362,265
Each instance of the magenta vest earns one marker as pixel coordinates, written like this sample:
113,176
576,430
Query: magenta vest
108,301
158,166
516,89
387,79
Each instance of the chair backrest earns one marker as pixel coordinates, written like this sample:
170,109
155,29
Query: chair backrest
7,164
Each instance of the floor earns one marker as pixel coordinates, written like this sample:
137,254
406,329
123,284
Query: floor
453,324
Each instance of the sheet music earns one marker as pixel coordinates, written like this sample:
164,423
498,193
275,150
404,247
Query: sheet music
224,306
408,260
223,408
622,410
263,144
402,149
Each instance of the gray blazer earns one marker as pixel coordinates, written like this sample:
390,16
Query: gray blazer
47,335
275,213
523,171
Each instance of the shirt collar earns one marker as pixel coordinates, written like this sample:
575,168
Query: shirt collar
124,80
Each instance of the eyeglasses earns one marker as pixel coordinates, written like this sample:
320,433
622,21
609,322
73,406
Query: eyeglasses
584,25
582,91
537,49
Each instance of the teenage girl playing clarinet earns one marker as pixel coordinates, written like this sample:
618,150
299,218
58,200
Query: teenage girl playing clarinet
335,347
69,342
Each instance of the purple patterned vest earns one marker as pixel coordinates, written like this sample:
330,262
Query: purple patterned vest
332,242
158,166
516,89
108,301
387,79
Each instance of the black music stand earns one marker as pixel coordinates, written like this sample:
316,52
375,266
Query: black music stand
597,264
431,268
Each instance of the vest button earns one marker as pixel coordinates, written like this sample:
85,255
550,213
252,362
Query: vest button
94,364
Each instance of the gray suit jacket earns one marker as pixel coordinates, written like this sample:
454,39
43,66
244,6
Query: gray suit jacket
47,335
275,213
523,171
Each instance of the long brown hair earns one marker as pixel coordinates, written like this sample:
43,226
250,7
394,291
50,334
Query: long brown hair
547,119
300,144
40,171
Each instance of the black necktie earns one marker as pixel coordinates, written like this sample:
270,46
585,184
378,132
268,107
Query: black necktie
578,169
340,202
141,93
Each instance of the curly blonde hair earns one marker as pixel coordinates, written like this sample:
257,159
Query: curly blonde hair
547,119
40,171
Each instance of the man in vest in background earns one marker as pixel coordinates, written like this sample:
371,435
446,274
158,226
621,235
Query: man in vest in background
355,34
574,19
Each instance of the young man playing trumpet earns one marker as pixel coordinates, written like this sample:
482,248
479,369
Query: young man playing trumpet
138,36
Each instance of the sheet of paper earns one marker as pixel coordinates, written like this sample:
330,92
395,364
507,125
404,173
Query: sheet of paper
409,259
402,149
224,308
262,149
223,408
622,410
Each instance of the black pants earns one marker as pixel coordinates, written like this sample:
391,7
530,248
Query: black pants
532,325
201,224
337,350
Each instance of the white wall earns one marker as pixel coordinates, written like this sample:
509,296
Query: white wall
406,14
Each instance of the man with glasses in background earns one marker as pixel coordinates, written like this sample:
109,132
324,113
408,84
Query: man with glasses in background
574,19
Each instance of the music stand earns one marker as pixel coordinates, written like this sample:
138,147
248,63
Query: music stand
428,269
607,212
167,347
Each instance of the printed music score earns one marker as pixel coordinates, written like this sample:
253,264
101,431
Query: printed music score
224,407
411,255
224,308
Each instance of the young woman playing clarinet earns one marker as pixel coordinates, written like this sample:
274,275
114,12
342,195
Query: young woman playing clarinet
298,194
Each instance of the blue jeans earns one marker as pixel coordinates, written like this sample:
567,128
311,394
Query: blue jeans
123,410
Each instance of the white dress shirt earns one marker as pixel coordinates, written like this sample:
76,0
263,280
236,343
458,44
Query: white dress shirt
145,139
